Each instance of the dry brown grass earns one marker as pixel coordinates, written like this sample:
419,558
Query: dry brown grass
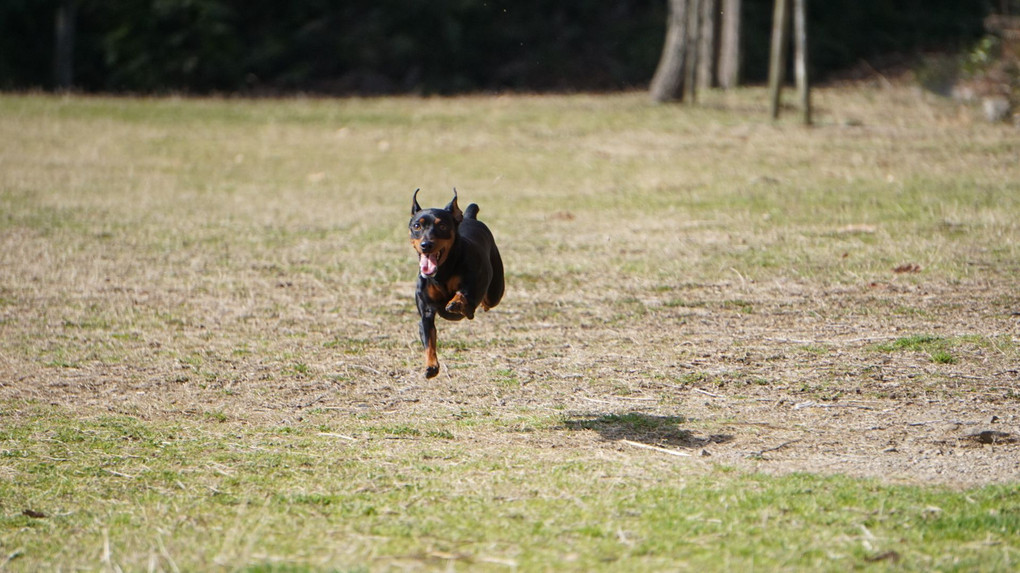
173,257
695,279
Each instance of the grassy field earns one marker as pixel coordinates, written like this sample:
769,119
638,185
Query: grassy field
726,344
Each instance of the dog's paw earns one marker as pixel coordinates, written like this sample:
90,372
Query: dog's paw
459,305
431,371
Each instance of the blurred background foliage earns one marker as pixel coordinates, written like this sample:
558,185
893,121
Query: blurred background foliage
428,46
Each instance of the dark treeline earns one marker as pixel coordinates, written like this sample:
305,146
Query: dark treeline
424,46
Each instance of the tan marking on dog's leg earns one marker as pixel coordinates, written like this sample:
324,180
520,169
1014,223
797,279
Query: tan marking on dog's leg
458,304
431,359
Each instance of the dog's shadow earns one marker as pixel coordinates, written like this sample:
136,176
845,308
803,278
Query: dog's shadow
646,429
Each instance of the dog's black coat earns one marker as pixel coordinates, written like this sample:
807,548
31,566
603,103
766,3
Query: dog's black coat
459,268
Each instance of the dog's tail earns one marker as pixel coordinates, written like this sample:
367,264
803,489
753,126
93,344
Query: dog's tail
471,212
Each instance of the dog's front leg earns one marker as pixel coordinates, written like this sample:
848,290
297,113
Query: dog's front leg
429,341
460,304
428,336
464,301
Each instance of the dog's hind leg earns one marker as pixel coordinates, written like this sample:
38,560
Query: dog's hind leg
494,293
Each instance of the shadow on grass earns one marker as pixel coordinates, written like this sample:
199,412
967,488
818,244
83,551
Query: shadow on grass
646,429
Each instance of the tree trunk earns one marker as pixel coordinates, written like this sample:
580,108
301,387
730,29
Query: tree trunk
777,59
729,45
63,49
708,61
668,81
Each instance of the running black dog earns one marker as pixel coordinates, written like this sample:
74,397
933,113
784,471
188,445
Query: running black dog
459,268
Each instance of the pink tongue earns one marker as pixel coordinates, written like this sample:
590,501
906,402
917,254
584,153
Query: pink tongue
428,264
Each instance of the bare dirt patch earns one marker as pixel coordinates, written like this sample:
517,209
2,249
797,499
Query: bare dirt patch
847,305
787,379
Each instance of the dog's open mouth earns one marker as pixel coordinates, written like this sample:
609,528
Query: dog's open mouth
429,263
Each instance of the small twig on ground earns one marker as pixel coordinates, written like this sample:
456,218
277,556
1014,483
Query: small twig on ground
947,422
341,436
313,401
820,405
656,448
640,399
762,453
743,281
707,393
966,377
795,340
827,340
12,556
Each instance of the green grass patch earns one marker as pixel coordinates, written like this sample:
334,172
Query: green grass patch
917,342
127,493
937,348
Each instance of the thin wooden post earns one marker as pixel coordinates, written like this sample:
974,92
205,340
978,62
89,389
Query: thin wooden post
801,58
63,45
777,59
693,43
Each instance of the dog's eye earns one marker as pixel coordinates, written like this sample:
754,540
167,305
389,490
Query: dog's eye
416,226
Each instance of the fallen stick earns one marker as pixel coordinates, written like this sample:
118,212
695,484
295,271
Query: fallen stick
819,405
772,449
707,393
341,436
656,448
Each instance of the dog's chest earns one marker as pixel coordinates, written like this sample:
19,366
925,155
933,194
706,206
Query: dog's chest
442,292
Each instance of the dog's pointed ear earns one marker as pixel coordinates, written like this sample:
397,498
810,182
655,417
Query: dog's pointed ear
415,207
452,207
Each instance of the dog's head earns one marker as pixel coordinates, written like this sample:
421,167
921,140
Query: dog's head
433,232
